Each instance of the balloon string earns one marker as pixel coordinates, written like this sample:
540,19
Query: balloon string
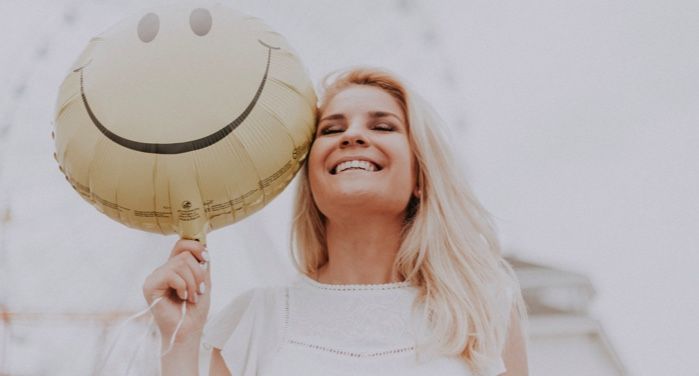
177,328
120,331
123,326
140,343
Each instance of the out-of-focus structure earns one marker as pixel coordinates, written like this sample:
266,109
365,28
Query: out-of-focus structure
563,338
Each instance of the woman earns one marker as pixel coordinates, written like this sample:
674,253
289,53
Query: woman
400,268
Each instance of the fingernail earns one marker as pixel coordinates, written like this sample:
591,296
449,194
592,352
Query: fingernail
205,255
204,265
185,295
202,288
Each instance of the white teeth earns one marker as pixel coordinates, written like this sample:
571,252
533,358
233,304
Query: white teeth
364,165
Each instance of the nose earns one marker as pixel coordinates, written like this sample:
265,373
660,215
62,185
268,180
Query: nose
352,136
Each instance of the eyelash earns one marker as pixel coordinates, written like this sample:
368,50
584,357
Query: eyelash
385,127
379,127
328,130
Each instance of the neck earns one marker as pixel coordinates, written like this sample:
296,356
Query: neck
361,250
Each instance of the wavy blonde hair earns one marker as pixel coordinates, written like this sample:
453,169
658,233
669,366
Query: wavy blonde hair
449,247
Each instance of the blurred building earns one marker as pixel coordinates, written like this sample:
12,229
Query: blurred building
563,338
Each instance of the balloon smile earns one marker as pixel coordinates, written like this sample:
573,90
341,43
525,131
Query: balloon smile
179,147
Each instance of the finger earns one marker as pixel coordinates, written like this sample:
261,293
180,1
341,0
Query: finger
181,267
199,274
160,281
177,283
193,246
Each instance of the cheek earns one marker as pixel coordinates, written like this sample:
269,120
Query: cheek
407,183
317,152
315,165
408,164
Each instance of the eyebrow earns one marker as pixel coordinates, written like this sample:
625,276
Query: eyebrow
380,114
372,114
333,117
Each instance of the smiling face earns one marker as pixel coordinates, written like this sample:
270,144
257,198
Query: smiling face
132,86
361,157
184,118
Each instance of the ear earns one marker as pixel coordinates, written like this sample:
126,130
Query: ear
417,192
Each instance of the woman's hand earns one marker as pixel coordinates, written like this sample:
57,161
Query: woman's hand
185,276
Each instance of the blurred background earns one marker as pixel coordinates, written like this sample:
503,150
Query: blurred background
576,122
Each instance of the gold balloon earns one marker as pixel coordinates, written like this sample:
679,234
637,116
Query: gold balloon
184,119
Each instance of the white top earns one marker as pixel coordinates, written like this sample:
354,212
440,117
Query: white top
310,328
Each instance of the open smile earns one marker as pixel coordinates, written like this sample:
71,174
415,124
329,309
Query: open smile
355,164
179,147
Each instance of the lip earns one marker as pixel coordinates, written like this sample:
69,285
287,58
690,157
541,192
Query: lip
379,167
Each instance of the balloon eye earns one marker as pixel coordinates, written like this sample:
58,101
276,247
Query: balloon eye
200,21
148,27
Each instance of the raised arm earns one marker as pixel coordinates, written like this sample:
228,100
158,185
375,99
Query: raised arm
183,359
185,277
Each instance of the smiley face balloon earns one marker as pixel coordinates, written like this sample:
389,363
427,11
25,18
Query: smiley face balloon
184,119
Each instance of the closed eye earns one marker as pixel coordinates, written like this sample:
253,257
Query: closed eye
330,130
384,127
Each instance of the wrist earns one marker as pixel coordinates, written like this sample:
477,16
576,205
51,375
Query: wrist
190,343
182,359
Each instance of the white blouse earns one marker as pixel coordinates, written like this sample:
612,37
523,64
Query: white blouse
310,328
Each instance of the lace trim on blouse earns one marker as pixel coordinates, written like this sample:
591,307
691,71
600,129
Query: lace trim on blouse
355,287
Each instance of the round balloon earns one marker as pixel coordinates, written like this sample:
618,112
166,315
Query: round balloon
184,119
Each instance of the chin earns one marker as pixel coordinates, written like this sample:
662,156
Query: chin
361,202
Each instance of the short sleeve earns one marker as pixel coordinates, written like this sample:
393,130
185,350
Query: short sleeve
498,367
246,330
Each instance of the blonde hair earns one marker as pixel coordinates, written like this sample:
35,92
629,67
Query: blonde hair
449,247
